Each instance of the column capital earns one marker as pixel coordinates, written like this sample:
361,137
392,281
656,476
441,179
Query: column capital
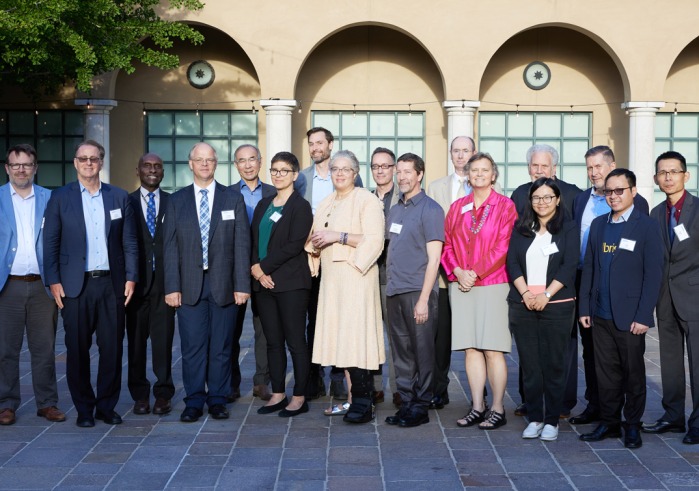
653,106
97,104
272,104
461,105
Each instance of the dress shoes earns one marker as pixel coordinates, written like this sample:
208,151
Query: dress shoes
414,419
7,416
218,411
85,421
109,417
141,407
288,413
397,401
360,411
395,419
661,426
337,390
234,395
521,410
262,392
191,415
378,396
632,437
601,432
692,437
438,402
51,413
584,418
162,406
269,409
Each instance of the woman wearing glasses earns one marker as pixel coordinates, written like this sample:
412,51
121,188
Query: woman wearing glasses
282,282
348,237
541,264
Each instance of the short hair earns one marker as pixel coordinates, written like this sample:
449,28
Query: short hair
346,154
317,129
149,154
91,143
481,156
473,143
528,222
383,150
247,145
198,144
542,147
601,149
672,155
418,163
287,158
629,175
21,148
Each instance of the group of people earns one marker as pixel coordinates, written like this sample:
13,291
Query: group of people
327,266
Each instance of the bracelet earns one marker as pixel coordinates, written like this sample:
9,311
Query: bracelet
525,291
343,238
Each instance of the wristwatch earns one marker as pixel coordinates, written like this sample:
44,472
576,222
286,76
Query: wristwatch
548,295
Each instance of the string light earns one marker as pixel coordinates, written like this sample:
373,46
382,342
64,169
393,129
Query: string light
354,110
675,109
197,109
410,110
517,110
144,109
253,106
300,102
571,111
463,103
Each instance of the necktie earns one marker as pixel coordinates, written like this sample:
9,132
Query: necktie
462,190
672,224
204,223
150,214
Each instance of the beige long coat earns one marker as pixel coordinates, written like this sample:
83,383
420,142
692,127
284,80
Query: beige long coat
349,329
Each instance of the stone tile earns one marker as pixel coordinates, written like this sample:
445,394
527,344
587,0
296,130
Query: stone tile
680,479
164,459
596,482
641,482
493,468
255,457
219,460
196,476
353,455
585,469
525,463
428,470
127,480
350,440
302,474
450,485
31,477
81,481
485,481
307,443
318,485
107,457
46,457
210,449
353,469
353,483
414,450
304,464
262,478
86,468
273,441
534,480
66,441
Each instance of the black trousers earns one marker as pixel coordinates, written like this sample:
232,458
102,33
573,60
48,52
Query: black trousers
283,317
362,383
261,376
150,317
442,344
588,355
621,372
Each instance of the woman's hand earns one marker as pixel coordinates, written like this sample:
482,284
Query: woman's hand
256,271
540,302
324,238
465,278
529,299
266,281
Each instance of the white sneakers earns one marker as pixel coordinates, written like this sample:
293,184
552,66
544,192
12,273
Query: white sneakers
547,433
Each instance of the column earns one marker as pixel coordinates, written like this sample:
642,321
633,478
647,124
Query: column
642,144
461,121
279,113
96,113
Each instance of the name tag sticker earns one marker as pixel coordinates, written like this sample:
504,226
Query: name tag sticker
43,220
115,214
627,244
275,216
396,228
228,215
466,208
681,232
552,248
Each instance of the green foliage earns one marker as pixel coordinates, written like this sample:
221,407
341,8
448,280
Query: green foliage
47,43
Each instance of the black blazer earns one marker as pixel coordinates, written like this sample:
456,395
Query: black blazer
562,265
580,202
286,261
148,246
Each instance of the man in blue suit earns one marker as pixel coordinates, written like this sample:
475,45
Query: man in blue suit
91,266
207,275
621,280
24,301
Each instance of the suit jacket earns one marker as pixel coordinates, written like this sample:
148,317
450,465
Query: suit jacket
568,194
562,265
306,188
580,202
149,247
8,230
286,261
267,189
680,286
65,242
229,246
634,276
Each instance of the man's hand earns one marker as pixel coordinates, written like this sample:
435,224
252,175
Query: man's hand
421,312
128,291
174,299
240,297
638,328
58,294
585,321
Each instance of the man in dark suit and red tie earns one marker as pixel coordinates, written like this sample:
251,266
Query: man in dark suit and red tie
91,266
148,316
207,275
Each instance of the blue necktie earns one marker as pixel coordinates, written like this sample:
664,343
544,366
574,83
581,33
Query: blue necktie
204,223
672,224
150,214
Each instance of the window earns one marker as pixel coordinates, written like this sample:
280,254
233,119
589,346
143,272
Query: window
54,134
362,132
507,136
172,134
679,132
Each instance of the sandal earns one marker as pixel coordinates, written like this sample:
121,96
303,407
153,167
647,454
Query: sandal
472,418
338,409
493,420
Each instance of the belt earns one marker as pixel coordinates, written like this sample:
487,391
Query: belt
97,273
28,278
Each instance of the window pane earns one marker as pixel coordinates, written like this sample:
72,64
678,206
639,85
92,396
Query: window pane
688,149
235,143
517,151
222,149
410,125
160,124
216,124
354,125
521,125
548,125
21,123
328,120
69,150
75,123
359,147
517,175
573,174
50,175
182,148
390,144
3,123
686,126
412,146
243,123
222,174
661,146
49,149
492,125
574,151
693,182
662,125
576,127
187,124
70,173
183,175
382,125
168,181
496,149
49,123
162,147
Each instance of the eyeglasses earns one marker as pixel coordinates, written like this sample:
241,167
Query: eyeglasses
545,199
200,160
382,166
341,171
84,160
251,160
662,174
23,166
617,191
280,172
459,151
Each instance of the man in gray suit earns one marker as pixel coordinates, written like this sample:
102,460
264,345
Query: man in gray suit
677,308
207,275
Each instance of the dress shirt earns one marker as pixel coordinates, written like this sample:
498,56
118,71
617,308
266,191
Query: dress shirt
457,182
93,213
596,206
322,188
251,197
25,261
678,208
144,201
622,218
197,197
537,263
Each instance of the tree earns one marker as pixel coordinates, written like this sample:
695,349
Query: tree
48,43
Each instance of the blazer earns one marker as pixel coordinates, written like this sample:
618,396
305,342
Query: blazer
286,261
65,239
580,202
305,188
680,283
229,246
149,247
8,230
562,265
568,194
267,189
634,276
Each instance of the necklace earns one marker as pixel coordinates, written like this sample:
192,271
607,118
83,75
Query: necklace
481,222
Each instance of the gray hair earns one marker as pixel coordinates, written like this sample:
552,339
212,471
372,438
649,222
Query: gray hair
483,156
346,154
543,148
199,144
247,145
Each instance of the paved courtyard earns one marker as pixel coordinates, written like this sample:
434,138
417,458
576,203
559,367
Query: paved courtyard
316,452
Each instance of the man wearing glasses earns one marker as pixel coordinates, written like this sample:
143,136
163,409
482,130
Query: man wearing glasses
677,308
620,283
91,266
24,301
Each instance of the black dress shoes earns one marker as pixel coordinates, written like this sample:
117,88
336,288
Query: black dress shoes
360,411
234,395
395,419
141,407
584,418
274,407
521,410
601,432
218,411
632,437
162,406
661,426
692,437
438,402
413,419
191,415
288,413
109,417
85,421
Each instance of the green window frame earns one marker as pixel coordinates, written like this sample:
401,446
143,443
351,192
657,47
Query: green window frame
678,132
